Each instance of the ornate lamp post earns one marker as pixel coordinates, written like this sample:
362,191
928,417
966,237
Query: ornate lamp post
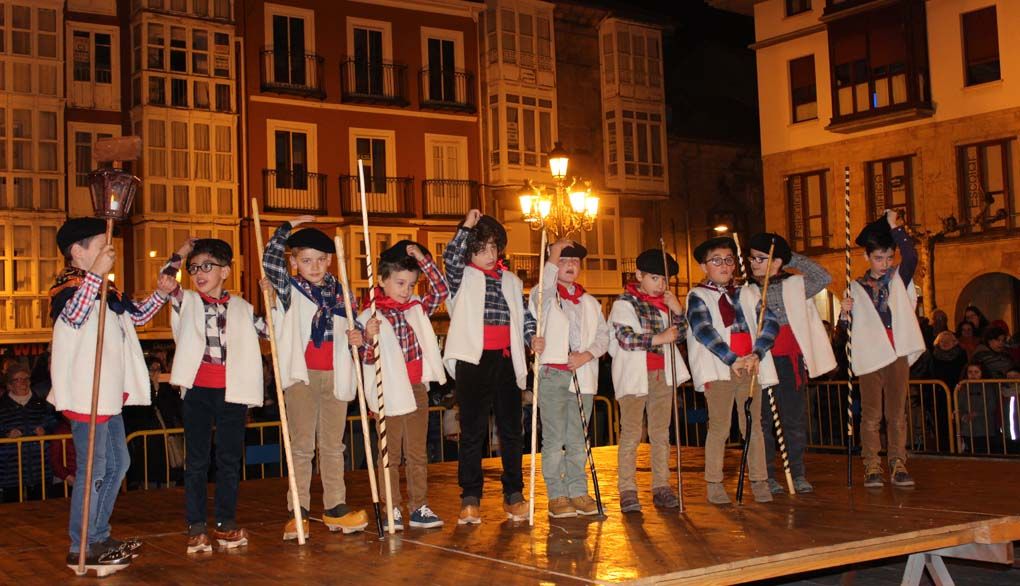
566,207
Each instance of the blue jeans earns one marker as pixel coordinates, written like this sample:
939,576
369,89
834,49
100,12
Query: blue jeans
109,466
563,452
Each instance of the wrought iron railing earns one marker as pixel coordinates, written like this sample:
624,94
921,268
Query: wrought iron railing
294,191
293,73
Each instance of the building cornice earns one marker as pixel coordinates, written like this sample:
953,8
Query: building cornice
780,39
449,7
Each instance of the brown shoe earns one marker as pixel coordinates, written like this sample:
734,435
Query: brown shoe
585,505
517,511
199,543
290,530
469,515
561,508
230,539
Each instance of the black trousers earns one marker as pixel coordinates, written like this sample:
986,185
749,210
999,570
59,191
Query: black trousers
791,404
203,409
491,385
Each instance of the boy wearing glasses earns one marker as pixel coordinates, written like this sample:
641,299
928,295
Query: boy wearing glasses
801,350
217,338
647,320
726,354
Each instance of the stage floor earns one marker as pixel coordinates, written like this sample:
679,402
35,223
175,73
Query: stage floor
956,501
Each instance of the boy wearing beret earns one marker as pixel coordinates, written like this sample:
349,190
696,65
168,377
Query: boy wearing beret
411,360
647,322
485,354
74,308
576,335
217,338
317,375
802,348
886,340
726,353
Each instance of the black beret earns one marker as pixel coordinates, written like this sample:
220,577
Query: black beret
762,240
398,251
575,250
878,230
701,252
77,229
312,238
650,261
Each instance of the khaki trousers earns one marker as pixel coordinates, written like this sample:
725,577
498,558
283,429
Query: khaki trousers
721,396
314,414
406,437
886,387
658,404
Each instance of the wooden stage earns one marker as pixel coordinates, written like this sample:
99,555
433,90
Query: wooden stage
957,502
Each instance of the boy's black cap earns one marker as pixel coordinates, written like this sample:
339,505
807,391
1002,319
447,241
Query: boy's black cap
762,240
877,229
312,238
701,252
76,229
650,261
398,251
576,250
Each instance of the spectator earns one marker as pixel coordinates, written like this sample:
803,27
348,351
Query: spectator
947,359
939,322
976,318
41,382
967,337
22,414
978,404
992,354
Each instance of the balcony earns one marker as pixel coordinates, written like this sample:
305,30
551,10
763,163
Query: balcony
446,89
384,196
294,191
299,74
448,198
373,82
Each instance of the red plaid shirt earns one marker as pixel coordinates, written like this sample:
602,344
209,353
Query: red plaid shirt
438,292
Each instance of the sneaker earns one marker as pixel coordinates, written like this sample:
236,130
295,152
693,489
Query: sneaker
199,543
129,547
900,476
665,498
344,518
230,538
585,505
873,476
715,492
398,520
516,510
775,487
802,486
290,530
629,502
560,508
761,491
469,515
424,518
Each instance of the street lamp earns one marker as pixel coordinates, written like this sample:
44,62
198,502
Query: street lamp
565,207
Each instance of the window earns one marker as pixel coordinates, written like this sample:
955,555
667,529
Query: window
3,143
104,58
369,70
179,150
180,201
289,65
291,159
82,158
157,90
631,55
224,102
200,7
981,46
373,152
986,199
82,56
224,163
199,52
22,133
808,210
156,43
201,95
155,154
203,155
526,38
642,138
603,253
178,92
47,141
221,55
442,83
221,9
803,93
46,41
890,186
528,130
21,30
797,6
178,49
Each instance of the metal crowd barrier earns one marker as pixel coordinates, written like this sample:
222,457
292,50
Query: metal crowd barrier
987,417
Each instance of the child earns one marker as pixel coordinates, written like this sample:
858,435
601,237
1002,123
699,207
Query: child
643,375
217,337
124,380
726,352
801,350
576,336
485,354
411,360
886,340
316,374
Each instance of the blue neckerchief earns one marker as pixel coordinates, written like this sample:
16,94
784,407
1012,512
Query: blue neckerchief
328,303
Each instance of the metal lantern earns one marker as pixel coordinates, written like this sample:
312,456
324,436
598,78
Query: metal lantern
113,192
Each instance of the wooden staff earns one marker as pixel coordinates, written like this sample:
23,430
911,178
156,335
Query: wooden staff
849,330
671,348
91,450
384,454
295,501
534,384
341,259
750,386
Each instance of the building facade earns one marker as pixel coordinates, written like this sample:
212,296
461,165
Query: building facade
916,100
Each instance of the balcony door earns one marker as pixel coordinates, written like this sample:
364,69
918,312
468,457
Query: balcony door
289,50
442,70
368,61
291,160
373,152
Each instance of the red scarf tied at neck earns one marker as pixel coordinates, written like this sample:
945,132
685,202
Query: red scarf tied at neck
574,298
656,301
496,272
726,310
383,301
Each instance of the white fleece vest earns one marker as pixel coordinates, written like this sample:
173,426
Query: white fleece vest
294,331
630,367
73,360
397,390
243,379
557,337
467,307
706,366
871,347
807,327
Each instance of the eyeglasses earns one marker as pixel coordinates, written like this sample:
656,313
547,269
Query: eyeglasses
718,261
205,267
758,259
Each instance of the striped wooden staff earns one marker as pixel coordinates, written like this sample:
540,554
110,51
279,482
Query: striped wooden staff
359,377
672,369
384,454
849,330
534,393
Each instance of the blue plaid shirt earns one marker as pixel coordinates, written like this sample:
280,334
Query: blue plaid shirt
700,320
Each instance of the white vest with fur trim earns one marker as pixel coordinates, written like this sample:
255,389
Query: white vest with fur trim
630,367
397,392
243,380
467,310
871,347
73,361
706,366
294,332
807,327
557,336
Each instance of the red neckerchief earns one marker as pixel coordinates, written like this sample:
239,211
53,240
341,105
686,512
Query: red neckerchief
495,273
223,299
383,301
574,298
726,310
656,302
